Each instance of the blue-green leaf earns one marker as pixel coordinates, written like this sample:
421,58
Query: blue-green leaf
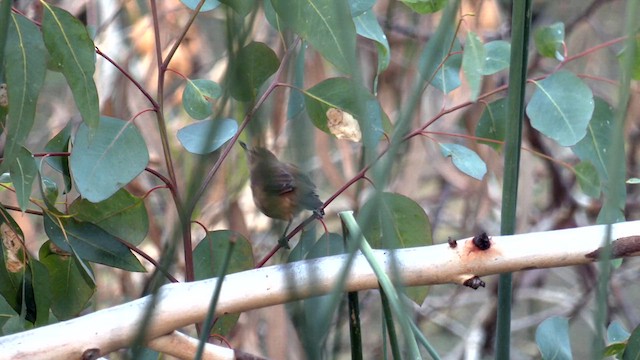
326,24
207,136
89,242
497,56
25,69
198,96
367,26
207,6
588,179
109,160
254,64
552,337
473,60
59,144
465,159
492,123
23,172
73,51
425,6
561,108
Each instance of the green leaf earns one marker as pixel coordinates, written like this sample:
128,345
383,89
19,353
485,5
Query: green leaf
635,64
209,254
447,77
410,225
73,51
198,96
561,108
41,291
50,191
254,64
367,26
122,215
588,179
25,69
208,4
326,25
436,53
473,60
59,144
344,94
242,7
549,41
90,242
398,222
425,6
109,160
615,349
330,245
492,123
23,173
465,159
633,181
358,7
552,337
497,56
70,290
207,136
595,147
633,345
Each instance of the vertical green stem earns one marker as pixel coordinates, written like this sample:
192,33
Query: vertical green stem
521,21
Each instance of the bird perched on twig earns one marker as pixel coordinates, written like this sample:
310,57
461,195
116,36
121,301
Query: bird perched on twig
280,190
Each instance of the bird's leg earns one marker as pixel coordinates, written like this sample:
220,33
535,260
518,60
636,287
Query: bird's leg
283,239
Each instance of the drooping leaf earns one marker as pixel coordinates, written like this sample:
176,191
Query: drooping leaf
123,215
40,283
595,147
588,179
25,69
552,337
437,52
109,160
60,144
50,191
207,136
208,256
549,41
70,290
425,6
72,50
90,242
497,56
561,108
198,96
360,6
23,173
207,6
447,77
367,26
473,60
326,24
465,159
254,64
492,123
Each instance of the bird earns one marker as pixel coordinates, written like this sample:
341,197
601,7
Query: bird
280,190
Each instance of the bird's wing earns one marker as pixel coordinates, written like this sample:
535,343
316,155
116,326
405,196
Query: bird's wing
280,182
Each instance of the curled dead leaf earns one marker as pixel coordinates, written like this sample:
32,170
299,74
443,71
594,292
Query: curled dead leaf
343,125
14,246
4,99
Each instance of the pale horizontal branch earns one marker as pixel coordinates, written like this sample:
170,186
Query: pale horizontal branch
186,303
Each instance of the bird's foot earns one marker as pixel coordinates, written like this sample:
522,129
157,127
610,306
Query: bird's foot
283,242
318,213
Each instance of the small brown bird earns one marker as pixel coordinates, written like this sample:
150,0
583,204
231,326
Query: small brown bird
280,190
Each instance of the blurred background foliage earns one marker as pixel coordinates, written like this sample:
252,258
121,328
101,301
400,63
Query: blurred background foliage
458,321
